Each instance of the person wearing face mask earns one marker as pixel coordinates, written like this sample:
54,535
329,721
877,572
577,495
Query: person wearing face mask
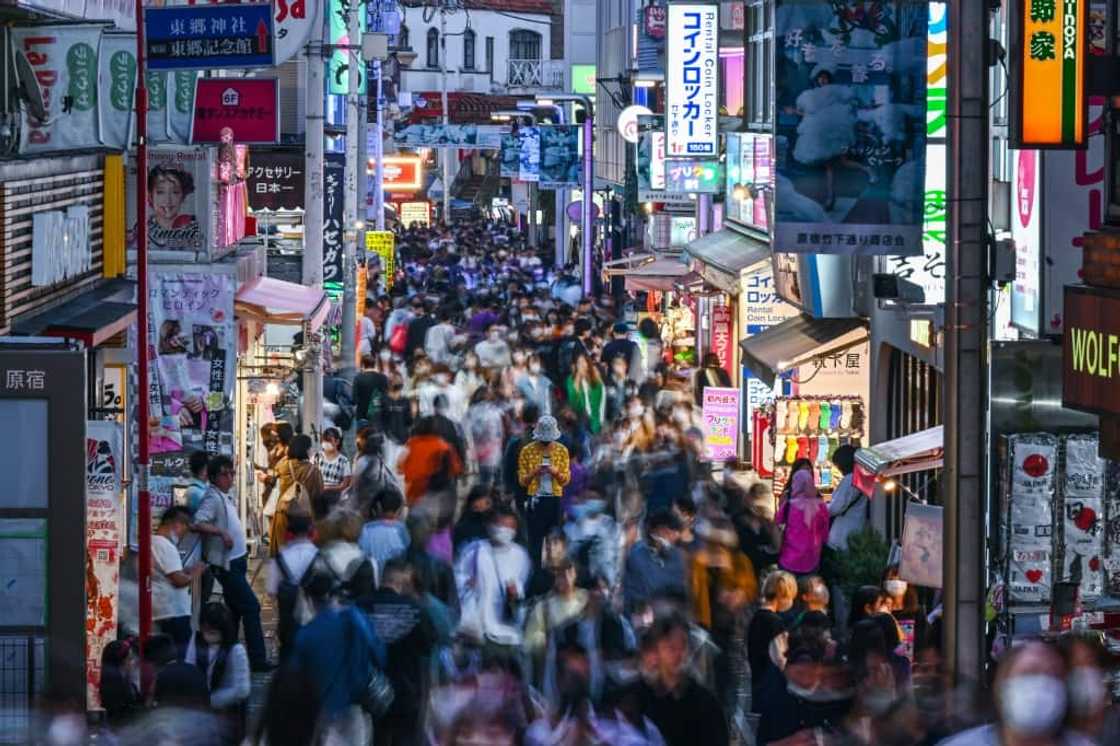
655,566
564,603
439,340
224,662
469,378
1090,713
171,601
593,537
904,607
493,352
779,590
617,389
1031,703
485,428
535,386
490,576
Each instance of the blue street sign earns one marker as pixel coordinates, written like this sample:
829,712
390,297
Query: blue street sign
199,37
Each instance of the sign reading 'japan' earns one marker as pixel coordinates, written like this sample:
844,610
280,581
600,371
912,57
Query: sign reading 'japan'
692,73
193,37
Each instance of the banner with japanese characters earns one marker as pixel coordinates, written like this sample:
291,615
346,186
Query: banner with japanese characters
692,81
104,534
116,89
193,342
721,424
851,136
63,60
276,180
559,156
180,105
334,167
158,128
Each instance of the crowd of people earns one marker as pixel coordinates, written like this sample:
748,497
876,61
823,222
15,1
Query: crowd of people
526,547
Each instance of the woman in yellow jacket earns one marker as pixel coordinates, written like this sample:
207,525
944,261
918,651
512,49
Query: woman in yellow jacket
543,469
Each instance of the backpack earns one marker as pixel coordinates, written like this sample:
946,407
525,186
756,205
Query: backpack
398,340
293,607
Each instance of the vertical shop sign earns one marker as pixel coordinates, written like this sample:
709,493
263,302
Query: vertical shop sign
1048,103
382,243
722,340
158,127
116,89
180,108
63,60
851,180
721,424
194,342
338,71
334,166
1026,218
104,461
763,309
692,74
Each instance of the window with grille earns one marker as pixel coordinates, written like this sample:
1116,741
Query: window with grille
433,48
468,50
759,96
524,45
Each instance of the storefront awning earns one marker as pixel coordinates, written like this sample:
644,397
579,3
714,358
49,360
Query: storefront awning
93,316
719,257
918,451
655,273
277,302
796,341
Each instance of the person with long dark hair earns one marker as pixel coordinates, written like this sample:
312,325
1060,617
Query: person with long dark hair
225,663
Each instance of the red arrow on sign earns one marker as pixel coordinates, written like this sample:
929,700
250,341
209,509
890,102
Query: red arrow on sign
262,36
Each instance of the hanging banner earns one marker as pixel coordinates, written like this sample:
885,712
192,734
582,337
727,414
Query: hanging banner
529,165
382,243
511,156
294,22
63,60
180,110
338,71
182,208
560,163
203,37
851,159
104,459
334,166
691,81
651,39
922,533
402,173
158,129
276,180
466,136
193,341
248,106
1026,232
721,424
416,212
1047,83
116,89
721,341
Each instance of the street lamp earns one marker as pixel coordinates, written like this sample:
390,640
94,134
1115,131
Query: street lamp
588,179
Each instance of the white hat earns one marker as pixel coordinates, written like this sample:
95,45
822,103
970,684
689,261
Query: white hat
546,430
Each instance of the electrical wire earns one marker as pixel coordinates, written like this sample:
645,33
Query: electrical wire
1006,83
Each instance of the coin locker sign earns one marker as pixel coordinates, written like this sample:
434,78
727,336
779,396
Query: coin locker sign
1050,109
692,74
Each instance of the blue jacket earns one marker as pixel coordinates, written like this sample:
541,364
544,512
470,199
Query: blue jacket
650,574
336,650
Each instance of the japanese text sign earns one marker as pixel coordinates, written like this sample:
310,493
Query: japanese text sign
721,424
276,180
1048,82
334,168
382,243
196,37
693,177
248,106
692,74
721,342
403,173
416,212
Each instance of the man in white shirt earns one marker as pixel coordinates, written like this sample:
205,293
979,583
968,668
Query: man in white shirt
225,550
491,576
438,340
289,567
171,601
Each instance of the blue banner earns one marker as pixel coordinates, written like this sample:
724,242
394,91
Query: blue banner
850,126
198,37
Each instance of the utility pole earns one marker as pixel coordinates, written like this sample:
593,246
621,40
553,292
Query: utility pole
351,231
445,153
311,413
966,373
379,154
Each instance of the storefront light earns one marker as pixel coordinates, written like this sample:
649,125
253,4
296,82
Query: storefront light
648,207
740,192
272,389
645,83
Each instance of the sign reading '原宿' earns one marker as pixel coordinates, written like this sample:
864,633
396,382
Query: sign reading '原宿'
1048,82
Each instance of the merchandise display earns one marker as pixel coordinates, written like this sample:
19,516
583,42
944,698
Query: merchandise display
810,427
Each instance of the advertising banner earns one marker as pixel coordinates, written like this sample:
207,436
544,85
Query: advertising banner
194,341
181,203
511,156
294,22
1091,349
276,180
64,62
382,243
116,89
721,424
248,106
202,37
851,147
750,179
692,81
476,136
401,173
1048,42
721,340
651,38
529,165
416,212
1026,231
762,309
158,129
104,534
334,167
338,72
650,163
559,156
922,545
693,177
180,108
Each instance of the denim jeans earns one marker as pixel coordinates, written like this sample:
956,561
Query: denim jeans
244,607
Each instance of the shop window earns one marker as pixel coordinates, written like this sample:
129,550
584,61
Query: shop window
759,98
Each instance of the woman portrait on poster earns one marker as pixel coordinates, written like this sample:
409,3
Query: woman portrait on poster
168,226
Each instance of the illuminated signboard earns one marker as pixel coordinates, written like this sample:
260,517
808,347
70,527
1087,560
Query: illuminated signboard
693,177
403,173
692,72
416,212
1049,108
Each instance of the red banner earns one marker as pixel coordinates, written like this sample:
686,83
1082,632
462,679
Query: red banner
248,106
721,340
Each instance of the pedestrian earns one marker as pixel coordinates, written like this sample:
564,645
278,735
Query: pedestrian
429,462
370,389
493,351
486,432
372,473
226,551
535,386
848,507
469,378
225,664
418,327
300,481
623,349
779,590
562,604
118,690
804,520
759,537
335,468
530,414
196,466
285,575
586,393
710,375
171,601
439,341
384,537
543,471
655,566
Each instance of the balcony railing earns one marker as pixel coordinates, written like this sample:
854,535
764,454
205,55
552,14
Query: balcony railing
535,74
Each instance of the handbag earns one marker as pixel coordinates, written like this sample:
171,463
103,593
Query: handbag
296,494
